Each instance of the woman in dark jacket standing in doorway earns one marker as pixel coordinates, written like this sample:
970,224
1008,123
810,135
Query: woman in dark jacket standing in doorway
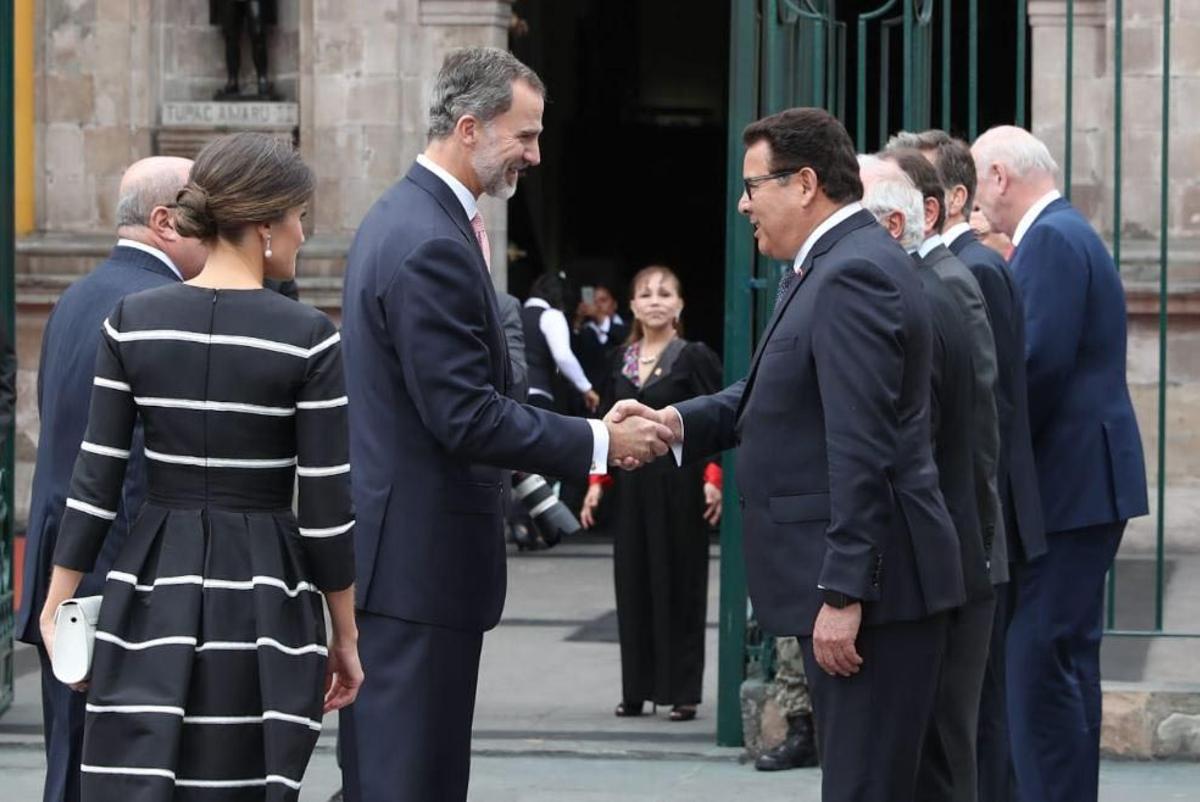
663,511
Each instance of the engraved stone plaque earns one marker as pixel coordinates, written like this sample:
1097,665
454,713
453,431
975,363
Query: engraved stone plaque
232,116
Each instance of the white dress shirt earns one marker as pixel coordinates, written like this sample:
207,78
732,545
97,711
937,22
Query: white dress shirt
464,195
929,244
824,228
150,249
553,325
954,232
1032,214
471,207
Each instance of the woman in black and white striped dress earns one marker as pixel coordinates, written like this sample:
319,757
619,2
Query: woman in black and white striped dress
211,669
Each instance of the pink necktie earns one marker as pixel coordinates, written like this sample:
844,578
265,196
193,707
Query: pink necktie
482,237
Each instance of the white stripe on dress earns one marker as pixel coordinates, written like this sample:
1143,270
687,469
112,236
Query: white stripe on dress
219,462
111,384
214,406
92,509
237,646
327,403
139,772
273,715
170,775
174,640
329,470
104,451
166,709
179,335
220,584
328,531
331,340
212,646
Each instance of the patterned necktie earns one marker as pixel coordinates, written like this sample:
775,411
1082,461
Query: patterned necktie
785,284
482,238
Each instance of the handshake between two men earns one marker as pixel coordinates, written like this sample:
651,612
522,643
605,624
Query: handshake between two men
639,434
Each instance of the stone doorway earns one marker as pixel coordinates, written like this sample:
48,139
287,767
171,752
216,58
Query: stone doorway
633,155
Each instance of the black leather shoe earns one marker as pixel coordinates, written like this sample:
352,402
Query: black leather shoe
798,750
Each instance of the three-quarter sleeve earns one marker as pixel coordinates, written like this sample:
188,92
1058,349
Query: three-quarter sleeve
323,464
95,491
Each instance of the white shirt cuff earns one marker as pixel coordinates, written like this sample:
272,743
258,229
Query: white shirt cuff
677,447
599,447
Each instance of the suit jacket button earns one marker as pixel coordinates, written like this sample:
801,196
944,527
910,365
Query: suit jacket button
742,502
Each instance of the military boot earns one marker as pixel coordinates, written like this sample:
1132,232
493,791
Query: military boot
798,750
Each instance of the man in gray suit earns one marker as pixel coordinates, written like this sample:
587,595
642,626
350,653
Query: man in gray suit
949,763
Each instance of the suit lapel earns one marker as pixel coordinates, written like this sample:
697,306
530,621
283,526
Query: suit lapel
819,249
450,204
445,197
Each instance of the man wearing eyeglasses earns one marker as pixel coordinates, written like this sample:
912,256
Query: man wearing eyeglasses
848,542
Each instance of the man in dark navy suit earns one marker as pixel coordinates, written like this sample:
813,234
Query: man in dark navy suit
1090,468
432,423
149,253
1016,476
847,538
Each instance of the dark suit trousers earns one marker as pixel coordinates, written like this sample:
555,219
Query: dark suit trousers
1054,666
948,764
997,783
63,713
407,738
871,726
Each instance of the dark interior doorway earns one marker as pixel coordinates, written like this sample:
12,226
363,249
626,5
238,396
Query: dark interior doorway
634,148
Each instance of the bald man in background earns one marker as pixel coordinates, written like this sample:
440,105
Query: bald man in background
1088,455
149,253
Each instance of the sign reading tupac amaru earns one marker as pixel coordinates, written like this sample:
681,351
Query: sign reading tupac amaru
243,114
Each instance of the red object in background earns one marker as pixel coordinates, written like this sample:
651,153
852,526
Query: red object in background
713,475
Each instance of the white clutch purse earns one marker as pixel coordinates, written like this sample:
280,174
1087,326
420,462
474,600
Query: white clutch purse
75,637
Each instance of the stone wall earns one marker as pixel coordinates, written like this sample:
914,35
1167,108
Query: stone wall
367,68
95,106
1093,129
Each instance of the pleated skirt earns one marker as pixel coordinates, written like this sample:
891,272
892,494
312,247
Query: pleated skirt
209,668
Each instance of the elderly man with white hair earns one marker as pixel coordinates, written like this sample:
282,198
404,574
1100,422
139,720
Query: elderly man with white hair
1090,467
947,771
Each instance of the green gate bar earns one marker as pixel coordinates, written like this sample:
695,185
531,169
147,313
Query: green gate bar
1164,206
7,314
739,256
1110,619
946,67
973,70
1022,86
1069,144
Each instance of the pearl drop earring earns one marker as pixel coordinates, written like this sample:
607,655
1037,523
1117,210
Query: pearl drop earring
267,252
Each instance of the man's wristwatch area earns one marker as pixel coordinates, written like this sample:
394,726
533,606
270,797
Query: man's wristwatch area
837,599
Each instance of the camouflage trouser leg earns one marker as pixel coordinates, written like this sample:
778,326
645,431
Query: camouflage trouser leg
791,686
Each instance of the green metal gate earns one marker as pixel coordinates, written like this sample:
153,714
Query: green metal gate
882,66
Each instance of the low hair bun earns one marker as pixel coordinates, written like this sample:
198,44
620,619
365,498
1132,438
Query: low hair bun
193,217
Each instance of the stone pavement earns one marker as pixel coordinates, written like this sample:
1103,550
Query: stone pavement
544,728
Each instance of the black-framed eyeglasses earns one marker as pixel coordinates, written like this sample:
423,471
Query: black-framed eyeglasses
758,180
